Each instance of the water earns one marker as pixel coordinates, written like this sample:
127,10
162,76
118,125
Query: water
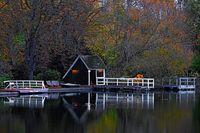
169,112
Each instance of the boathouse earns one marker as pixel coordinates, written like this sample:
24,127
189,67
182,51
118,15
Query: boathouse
85,70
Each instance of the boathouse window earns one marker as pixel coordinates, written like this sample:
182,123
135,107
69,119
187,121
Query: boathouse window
75,71
99,73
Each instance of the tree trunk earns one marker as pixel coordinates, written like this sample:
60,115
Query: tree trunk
30,57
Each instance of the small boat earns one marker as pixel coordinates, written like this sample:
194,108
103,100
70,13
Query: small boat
69,85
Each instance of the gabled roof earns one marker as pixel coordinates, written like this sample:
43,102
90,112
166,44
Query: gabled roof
91,62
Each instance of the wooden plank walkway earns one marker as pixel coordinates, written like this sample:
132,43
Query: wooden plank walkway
71,90
179,83
119,88
81,89
16,92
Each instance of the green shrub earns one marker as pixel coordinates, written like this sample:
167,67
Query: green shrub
196,64
49,74
4,77
20,72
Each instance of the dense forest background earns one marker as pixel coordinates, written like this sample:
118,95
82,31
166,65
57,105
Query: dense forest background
39,39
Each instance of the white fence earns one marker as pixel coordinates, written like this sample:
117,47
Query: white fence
30,101
181,83
24,84
106,99
187,83
137,82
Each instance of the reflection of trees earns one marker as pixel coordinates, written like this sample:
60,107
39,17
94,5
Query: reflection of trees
196,116
106,124
10,123
166,117
51,119
171,118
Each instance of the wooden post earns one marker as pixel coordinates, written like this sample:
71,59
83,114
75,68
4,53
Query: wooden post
96,77
132,81
148,100
104,101
89,77
88,101
96,101
104,73
180,83
142,98
117,97
132,98
153,97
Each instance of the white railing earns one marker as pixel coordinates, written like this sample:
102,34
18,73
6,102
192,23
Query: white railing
145,99
29,101
24,84
187,83
138,82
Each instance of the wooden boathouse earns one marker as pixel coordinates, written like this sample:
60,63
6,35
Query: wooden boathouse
91,70
85,70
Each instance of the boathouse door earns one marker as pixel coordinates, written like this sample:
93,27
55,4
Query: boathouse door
100,76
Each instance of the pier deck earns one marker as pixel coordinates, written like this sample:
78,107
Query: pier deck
181,83
81,89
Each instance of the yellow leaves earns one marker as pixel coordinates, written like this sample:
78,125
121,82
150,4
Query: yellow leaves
24,4
171,118
177,47
133,13
106,124
178,66
4,54
2,3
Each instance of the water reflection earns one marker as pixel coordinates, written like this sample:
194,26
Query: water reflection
181,97
78,118
160,112
26,101
130,100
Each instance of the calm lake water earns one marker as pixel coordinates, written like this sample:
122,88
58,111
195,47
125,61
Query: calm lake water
160,112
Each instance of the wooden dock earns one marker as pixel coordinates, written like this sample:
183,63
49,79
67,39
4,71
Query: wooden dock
17,92
180,83
118,88
71,90
134,83
21,87
83,89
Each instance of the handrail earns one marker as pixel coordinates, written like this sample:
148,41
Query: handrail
30,101
25,84
141,82
187,82
180,82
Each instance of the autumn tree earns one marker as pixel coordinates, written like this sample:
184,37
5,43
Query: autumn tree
148,36
48,34
193,9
